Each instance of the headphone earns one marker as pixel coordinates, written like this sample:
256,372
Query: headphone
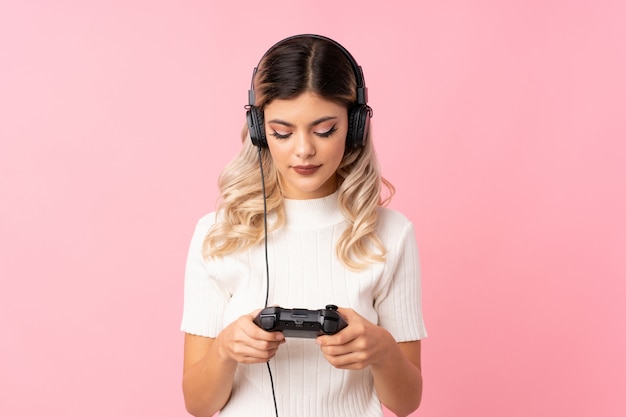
359,114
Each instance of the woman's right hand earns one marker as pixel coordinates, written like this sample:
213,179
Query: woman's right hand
210,363
243,341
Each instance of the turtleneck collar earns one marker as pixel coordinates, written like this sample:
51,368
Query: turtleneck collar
313,213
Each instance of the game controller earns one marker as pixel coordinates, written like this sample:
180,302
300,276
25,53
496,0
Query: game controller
300,322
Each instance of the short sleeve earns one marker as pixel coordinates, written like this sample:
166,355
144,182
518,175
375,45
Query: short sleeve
204,299
399,302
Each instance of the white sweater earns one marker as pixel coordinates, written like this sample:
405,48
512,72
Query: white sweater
305,273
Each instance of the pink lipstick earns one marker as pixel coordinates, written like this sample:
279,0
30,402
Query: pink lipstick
306,169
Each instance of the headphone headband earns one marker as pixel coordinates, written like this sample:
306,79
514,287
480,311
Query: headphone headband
361,89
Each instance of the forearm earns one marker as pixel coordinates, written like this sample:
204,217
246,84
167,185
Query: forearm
398,381
207,384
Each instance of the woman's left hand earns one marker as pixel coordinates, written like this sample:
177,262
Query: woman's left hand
357,346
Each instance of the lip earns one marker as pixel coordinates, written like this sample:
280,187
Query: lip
306,169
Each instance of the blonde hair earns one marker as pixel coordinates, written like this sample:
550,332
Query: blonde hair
240,223
289,69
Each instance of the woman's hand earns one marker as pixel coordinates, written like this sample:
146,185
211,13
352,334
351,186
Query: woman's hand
243,341
396,367
357,346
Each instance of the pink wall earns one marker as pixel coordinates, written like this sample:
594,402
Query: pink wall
501,124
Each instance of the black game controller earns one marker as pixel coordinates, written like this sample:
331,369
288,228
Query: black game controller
300,322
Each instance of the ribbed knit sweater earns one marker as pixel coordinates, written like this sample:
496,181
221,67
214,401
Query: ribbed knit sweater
304,272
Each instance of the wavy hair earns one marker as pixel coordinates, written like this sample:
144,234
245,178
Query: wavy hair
290,68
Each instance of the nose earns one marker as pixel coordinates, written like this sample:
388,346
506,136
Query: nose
304,146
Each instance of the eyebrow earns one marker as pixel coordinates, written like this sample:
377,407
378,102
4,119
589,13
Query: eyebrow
314,123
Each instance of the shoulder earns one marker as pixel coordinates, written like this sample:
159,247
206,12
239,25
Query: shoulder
394,228
392,220
205,223
207,220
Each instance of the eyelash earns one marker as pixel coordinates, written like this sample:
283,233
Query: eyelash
328,133
279,136
321,135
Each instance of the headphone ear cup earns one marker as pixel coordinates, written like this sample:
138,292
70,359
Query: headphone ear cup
256,126
358,125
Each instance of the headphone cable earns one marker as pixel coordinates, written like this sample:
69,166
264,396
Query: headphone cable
267,267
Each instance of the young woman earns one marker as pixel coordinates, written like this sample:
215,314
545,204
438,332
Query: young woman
329,241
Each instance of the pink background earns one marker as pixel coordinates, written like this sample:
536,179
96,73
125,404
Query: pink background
502,124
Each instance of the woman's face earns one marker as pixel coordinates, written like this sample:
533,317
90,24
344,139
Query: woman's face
306,138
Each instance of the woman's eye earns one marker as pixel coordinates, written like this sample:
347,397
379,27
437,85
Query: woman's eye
280,135
328,133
